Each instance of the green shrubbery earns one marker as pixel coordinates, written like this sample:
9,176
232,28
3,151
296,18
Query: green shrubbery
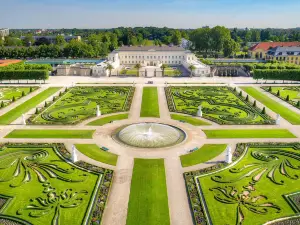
273,74
21,71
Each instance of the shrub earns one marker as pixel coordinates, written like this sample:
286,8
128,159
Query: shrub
298,104
234,89
287,98
278,93
270,89
36,111
13,99
254,103
264,110
46,104
247,98
30,89
23,93
2,104
241,93
275,74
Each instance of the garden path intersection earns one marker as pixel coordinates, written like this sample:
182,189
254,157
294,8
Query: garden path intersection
119,199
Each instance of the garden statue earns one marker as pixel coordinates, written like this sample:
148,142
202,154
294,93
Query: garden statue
228,155
98,112
23,119
40,83
74,154
199,113
278,119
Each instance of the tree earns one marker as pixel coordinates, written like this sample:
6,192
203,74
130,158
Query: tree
230,47
192,68
60,40
23,93
264,110
287,98
247,98
28,40
176,37
254,103
163,67
110,68
278,93
219,35
36,111
298,104
2,104
138,67
13,99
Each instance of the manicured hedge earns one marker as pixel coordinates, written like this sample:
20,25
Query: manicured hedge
285,74
24,74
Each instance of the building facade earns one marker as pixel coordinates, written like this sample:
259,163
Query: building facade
260,50
153,56
73,70
284,54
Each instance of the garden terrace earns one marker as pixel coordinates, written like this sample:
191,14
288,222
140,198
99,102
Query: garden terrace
289,115
10,94
15,113
290,94
250,189
79,103
222,105
48,189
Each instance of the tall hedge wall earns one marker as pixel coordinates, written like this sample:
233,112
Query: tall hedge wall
24,74
285,74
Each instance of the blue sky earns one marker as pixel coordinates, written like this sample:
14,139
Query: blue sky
169,13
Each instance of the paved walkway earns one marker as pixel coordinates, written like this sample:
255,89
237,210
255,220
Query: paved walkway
117,205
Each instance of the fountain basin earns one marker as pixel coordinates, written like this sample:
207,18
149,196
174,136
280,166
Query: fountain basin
149,135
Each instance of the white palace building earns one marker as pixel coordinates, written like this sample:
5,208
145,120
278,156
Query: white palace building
150,58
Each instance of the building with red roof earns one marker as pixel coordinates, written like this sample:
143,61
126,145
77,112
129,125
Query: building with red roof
260,50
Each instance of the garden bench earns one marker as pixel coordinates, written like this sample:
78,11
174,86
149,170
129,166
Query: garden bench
104,148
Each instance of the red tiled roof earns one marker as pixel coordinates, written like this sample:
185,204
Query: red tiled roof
267,45
7,62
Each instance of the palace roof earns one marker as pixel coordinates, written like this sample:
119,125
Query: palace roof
268,45
150,48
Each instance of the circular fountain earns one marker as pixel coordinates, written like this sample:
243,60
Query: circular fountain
149,135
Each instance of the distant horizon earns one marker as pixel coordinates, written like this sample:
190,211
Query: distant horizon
178,14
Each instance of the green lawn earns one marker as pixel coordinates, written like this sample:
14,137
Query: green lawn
7,93
15,113
150,107
57,189
148,202
77,134
108,119
286,113
188,119
80,103
254,185
204,154
220,104
249,133
94,152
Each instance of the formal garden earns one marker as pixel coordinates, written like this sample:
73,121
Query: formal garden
9,95
76,104
223,105
290,94
261,185
40,185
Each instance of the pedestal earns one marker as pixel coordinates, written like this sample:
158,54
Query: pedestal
98,112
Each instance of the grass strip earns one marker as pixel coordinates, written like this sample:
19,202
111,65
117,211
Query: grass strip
15,113
203,154
249,133
94,152
275,106
148,202
191,120
150,107
35,133
108,119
